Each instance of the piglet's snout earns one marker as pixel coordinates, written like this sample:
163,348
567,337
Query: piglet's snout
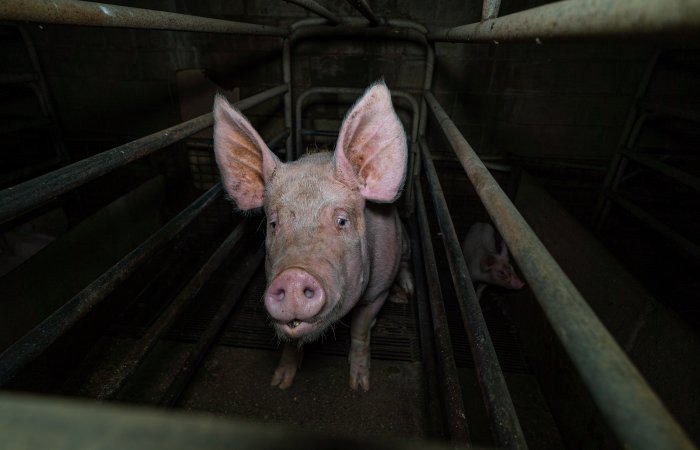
294,295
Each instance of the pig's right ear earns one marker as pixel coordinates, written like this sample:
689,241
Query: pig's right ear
244,160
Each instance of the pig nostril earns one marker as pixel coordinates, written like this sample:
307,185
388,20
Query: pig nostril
309,293
278,295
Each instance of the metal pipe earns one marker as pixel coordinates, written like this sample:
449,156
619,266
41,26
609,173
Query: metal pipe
451,389
316,8
75,12
363,8
50,329
287,79
582,19
353,93
19,199
127,367
499,406
490,9
237,285
632,409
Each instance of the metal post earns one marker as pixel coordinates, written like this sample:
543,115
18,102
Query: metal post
19,199
490,9
499,406
316,8
363,8
632,409
451,389
47,332
582,19
74,12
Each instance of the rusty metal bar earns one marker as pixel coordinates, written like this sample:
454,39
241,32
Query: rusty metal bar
47,332
237,286
490,9
316,8
582,19
499,406
30,194
632,409
363,8
451,389
127,367
75,12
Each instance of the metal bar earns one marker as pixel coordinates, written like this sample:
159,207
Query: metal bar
363,8
196,355
671,172
23,197
490,9
451,389
499,406
632,409
118,378
669,233
48,331
316,8
582,19
74,12
307,132
287,79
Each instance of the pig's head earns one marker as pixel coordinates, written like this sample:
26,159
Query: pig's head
317,260
499,269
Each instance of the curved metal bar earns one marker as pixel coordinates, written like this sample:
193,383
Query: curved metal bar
363,8
316,8
75,12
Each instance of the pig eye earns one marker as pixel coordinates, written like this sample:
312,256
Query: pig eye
342,221
273,223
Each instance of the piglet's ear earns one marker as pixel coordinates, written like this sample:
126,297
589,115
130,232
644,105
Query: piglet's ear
244,160
371,152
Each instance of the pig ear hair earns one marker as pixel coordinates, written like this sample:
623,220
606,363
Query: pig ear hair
244,160
371,152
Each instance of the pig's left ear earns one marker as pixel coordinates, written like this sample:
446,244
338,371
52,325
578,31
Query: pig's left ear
371,152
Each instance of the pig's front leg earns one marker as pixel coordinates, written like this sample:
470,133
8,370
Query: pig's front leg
363,319
292,354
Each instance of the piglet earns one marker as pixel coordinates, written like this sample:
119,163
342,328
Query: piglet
485,263
335,244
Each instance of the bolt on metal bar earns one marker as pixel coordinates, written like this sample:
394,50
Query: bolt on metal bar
363,8
23,197
48,331
451,389
490,9
316,8
196,355
582,19
127,367
632,409
75,12
499,406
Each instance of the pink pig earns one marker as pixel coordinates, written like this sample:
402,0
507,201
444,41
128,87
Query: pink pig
334,242
485,263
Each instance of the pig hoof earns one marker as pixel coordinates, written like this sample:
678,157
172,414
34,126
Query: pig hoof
359,377
284,376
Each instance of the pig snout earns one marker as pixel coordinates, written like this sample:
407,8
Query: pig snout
293,299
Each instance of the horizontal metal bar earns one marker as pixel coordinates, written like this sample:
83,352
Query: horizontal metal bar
48,331
582,19
30,194
669,233
499,406
237,286
449,381
363,8
307,132
632,409
316,8
670,171
74,12
116,379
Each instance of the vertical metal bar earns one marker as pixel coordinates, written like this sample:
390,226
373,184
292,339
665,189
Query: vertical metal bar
451,389
499,406
74,12
363,8
490,9
632,409
48,331
196,355
316,8
287,79
118,378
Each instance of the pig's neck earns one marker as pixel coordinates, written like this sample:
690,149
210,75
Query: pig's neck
383,234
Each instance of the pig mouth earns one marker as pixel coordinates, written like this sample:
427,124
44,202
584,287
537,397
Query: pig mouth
296,328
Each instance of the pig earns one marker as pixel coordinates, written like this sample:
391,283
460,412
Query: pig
335,244
485,263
